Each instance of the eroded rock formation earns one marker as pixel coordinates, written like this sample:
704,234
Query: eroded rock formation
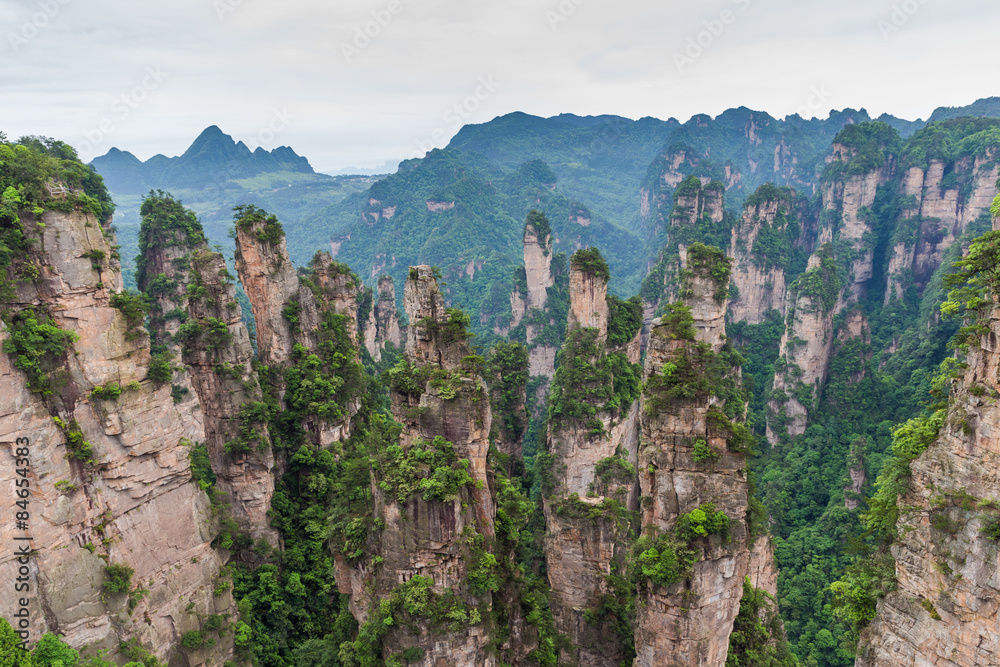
195,314
592,445
109,469
692,461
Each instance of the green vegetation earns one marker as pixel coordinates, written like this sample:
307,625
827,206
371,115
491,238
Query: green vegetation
119,578
538,222
430,469
666,558
38,348
52,651
709,262
165,223
820,284
264,225
134,307
624,320
590,261
868,145
758,639
588,380
507,375
695,371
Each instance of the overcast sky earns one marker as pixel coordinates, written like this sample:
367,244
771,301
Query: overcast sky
147,77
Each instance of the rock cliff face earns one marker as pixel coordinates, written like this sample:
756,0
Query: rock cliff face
935,214
592,478
758,271
537,263
121,464
688,459
847,203
944,611
270,282
691,461
189,282
298,317
806,346
429,535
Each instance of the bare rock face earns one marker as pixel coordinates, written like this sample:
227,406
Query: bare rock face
588,306
945,609
434,537
270,282
593,480
186,277
386,314
381,327
138,488
537,264
689,622
760,281
806,346
940,214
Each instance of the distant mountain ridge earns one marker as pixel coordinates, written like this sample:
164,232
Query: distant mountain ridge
214,157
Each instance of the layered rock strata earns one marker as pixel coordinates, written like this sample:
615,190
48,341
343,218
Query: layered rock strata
935,215
592,492
194,313
759,263
689,458
130,499
945,607
806,346
427,539
296,314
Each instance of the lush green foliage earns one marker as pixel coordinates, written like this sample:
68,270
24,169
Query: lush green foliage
590,261
119,578
758,638
589,380
430,469
667,558
38,348
133,307
624,320
507,375
264,225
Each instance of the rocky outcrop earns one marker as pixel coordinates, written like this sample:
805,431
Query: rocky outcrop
429,536
945,606
760,248
691,460
846,215
592,463
806,346
270,282
117,502
320,307
387,316
537,261
190,283
935,214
